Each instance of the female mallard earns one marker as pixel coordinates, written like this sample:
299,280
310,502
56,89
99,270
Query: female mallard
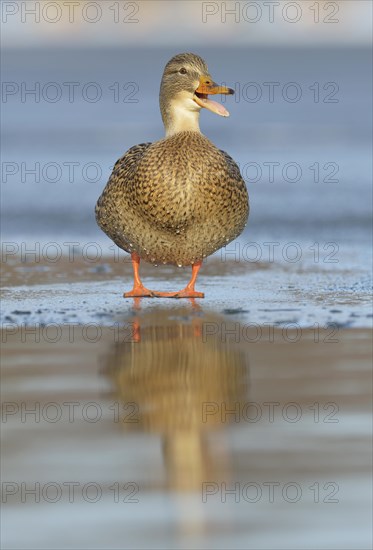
177,200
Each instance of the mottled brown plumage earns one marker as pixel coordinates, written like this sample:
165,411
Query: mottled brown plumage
177,200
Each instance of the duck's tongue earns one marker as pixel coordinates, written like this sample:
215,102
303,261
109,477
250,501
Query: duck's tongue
211,105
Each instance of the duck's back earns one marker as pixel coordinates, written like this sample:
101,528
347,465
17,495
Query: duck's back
174,201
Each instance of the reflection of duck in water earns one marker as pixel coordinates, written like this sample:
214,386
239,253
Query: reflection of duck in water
179,199
182,382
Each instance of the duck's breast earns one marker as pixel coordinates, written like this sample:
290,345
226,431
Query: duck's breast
182,179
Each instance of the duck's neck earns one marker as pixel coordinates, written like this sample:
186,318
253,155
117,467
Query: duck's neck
176,118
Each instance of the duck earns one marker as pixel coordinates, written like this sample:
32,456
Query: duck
177,200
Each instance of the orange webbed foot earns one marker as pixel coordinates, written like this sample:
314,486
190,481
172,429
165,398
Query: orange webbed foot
139,292
185,293
164,294
188,293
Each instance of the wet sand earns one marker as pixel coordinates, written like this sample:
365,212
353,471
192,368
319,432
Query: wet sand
166,431
274,293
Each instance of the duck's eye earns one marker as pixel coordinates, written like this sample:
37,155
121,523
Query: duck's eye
183,70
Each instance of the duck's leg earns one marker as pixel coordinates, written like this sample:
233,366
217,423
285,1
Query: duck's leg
188,291
138,288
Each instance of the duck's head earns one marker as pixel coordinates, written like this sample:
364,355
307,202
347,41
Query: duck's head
185,87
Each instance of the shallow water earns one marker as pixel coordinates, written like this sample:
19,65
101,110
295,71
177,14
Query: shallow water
307,163
176,436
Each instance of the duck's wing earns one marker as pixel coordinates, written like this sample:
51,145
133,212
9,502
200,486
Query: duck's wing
118,186
128,162
232,166
237,183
